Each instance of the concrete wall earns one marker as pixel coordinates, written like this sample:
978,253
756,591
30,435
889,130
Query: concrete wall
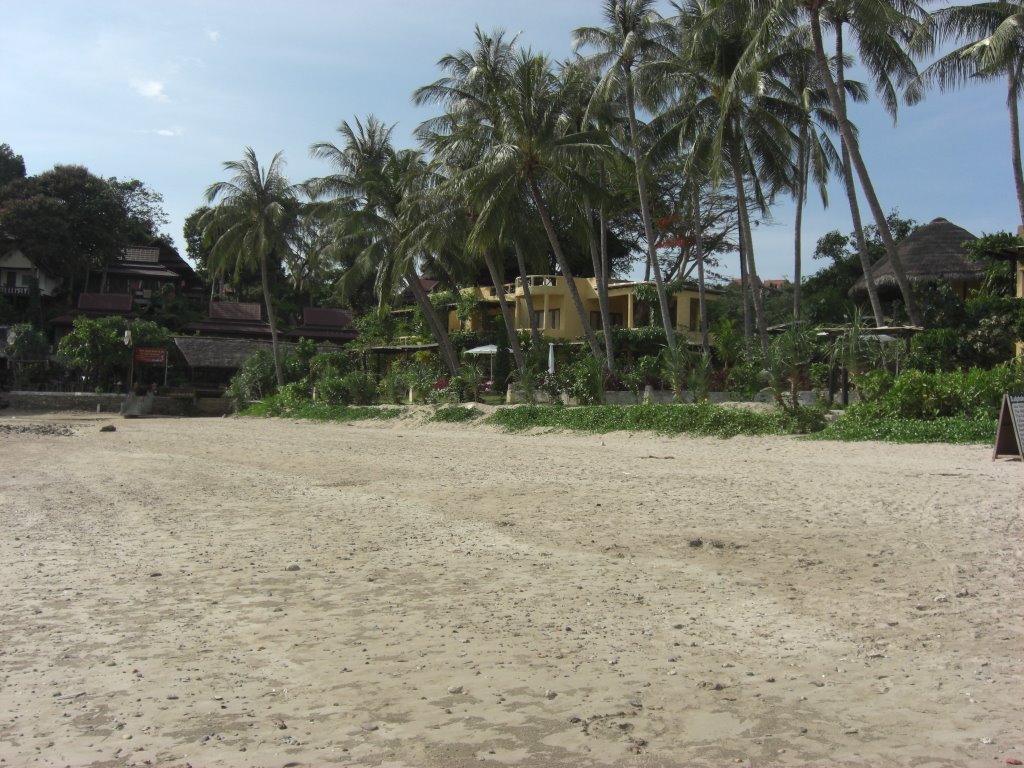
88,401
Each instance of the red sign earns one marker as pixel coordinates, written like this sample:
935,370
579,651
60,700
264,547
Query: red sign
150,355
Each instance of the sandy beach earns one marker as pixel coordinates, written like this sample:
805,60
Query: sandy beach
238,592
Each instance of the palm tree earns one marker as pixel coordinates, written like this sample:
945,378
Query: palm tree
995,31
533,152
250,225
470,91
725,118
883,28
631,40
578,86
376,194
816,157
837,18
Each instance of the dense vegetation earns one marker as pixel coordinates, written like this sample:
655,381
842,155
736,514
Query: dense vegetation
663,141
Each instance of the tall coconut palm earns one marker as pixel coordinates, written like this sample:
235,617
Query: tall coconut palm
631,39
837,18
534,152
470,91
727,118
377,192
994,50
883,28
250,224
816,156
578,86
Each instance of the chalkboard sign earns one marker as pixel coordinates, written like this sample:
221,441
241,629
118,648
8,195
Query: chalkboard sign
1010,432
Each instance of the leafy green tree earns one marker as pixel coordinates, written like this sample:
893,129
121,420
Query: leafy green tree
67,220
97,346
250,225
144,209
28,351
12,166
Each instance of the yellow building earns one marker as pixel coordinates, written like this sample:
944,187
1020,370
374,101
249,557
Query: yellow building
1019,349
556,314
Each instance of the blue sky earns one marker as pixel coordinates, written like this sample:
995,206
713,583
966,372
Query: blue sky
165,92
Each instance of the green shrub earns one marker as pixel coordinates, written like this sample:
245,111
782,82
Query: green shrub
675,368
293,394
697,419
856,425
254,380
973,394
392,388
454,414
874,384
331,390
583,379
306,409
934,350
360,388
745,378
329,364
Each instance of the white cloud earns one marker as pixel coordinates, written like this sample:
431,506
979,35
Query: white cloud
151,89
168,132
213,35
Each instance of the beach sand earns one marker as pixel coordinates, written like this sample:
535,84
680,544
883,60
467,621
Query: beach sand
239,592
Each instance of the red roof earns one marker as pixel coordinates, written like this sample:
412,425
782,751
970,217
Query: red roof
105,302
235,310
322,324
776,284
332,318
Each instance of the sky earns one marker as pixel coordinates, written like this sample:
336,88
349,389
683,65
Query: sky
166,92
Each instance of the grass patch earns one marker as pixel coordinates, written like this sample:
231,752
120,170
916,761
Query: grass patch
319,411
454,414
700,419
949,429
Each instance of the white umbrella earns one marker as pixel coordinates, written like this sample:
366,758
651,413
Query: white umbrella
486,349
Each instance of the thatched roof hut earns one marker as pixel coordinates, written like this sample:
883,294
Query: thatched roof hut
220,352
931,253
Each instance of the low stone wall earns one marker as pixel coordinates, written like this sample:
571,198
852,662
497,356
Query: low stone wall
90,401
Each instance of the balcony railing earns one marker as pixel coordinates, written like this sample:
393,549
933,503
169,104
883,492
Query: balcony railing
14,290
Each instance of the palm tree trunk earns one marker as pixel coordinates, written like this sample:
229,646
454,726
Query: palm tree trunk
528,296
862,172
698,247
506,314
748,243
601,286
801,187
265,282
748,311
645,213
1011,106
851,194
602,222
444,344
563,264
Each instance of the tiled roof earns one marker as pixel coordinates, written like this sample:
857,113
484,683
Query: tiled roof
332,318
105,302
236,310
